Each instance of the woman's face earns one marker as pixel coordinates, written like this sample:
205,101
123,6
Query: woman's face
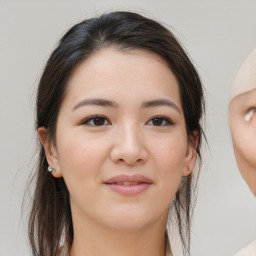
121,142
243,129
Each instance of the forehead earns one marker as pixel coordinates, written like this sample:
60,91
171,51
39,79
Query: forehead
245,79
111,70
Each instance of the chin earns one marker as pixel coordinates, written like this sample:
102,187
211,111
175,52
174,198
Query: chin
129,219
135,219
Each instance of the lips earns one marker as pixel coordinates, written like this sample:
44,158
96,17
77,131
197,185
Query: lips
128,185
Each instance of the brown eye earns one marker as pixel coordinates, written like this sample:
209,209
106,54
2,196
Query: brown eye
160,121
96,120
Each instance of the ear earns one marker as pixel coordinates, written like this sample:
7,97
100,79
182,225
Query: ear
50,152
190,158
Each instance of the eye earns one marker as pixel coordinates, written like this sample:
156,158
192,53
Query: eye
249,114
159,121
96,120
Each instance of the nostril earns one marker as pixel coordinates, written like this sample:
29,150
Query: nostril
130,161
129,151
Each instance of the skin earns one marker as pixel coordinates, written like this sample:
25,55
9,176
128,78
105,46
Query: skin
243,120
128,141
244,135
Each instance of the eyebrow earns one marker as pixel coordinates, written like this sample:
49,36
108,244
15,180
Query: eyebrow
160,102
98,102
108,103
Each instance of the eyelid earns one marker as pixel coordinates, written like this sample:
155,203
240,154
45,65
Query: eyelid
164,118
86,120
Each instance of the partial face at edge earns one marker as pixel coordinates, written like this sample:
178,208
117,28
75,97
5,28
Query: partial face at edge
242,119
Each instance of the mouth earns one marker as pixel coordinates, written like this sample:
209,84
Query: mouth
129,185
125,183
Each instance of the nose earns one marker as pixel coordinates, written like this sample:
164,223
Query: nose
129,146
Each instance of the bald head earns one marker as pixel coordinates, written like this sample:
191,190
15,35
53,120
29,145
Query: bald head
245,79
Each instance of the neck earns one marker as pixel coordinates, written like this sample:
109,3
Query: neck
91,239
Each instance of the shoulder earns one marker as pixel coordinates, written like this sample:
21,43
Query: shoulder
250,250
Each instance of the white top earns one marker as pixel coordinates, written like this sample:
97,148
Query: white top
250,250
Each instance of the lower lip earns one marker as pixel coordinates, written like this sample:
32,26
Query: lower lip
130,189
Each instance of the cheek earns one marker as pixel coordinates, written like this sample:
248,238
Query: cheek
171,151
244,140
170,160
80,159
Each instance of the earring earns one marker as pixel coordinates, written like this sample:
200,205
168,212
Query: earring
51,169
187,169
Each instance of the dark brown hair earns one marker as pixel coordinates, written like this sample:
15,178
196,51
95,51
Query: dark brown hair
50,216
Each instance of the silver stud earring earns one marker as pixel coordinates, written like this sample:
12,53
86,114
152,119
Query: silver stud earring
51,169
187,169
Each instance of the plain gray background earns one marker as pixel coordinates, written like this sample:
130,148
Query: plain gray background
218,36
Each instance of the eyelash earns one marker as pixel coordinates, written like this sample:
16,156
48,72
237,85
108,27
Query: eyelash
96,118
159,120
162,119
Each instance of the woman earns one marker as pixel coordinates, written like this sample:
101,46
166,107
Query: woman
118,116
242,119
